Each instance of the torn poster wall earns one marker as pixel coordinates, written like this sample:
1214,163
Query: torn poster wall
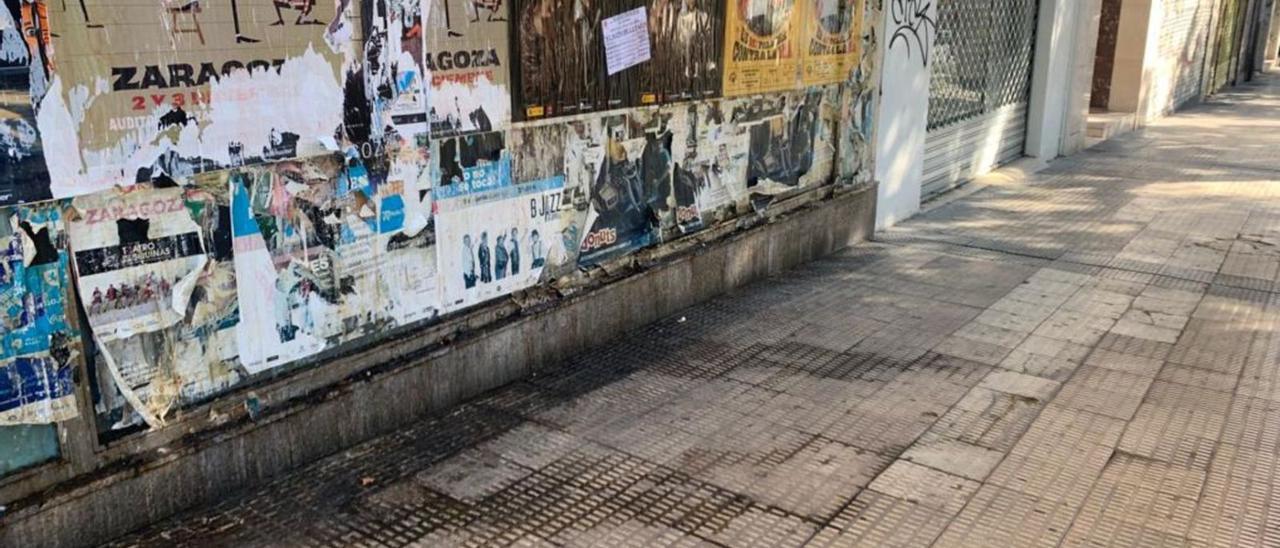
469,61
710,166
393,77
36,357
546,152
155,274
629,191
858,104
831,40
495,236
784,151
324,254
177,87
686,38
26,65
762,49
385,103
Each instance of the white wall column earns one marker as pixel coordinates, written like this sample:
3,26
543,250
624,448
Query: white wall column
1075,134
903,118
1052,79
1273,36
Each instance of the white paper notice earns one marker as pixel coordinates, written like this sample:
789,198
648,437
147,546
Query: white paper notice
626,40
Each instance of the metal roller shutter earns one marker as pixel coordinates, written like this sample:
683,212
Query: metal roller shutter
979,90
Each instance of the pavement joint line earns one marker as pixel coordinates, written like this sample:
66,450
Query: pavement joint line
1274,290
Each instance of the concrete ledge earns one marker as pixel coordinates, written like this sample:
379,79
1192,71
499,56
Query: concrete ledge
398,382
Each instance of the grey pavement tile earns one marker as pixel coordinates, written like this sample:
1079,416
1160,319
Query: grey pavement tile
763,527
1093,301
1239,506
1104,391
992,335
532,445
1145,348
926,486
1188,398
819,479
969,349
1052,368
1004,517
1014,317
634,533
1194,376
1140,325
1125,363
472,475
1253,424
1138,497
875,520
1185,437
954,457
986,418
1018,384
838,336
1074,327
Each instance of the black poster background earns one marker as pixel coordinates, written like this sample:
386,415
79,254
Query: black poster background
686,43
23,175
560,59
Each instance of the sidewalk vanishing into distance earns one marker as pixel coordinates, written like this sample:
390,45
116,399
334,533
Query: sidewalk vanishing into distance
1088,359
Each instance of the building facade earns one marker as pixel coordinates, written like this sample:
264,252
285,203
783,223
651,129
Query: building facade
239,236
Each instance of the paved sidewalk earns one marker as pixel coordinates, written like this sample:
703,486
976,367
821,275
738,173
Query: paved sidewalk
1091,359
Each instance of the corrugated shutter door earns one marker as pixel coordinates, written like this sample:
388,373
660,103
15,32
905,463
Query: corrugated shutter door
979,88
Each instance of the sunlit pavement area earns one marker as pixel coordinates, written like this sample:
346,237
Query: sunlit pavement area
1088,359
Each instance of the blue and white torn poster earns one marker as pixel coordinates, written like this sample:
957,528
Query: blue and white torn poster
494,237
327,250
36,357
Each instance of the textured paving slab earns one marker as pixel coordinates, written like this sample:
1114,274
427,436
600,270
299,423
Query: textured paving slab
1089,359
